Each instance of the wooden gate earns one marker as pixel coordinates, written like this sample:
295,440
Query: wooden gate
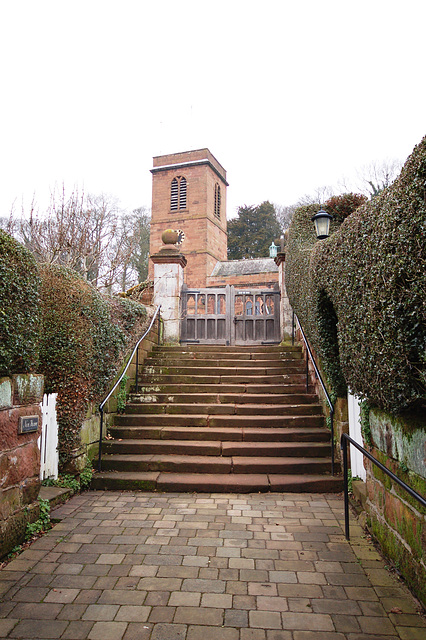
230,316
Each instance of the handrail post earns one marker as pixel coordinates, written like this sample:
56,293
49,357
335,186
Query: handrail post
100,439
137,370
332,439
307,370
344,448
159,330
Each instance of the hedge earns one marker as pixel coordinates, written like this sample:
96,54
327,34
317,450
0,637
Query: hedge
84,338
361,294
19,308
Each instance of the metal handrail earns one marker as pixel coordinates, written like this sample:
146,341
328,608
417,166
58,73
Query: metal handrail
123,373
327,396
344,447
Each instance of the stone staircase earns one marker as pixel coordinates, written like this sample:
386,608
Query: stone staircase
220,419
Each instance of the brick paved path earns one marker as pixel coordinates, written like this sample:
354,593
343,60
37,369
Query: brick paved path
139,566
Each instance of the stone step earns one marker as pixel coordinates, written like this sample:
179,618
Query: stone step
224,398
242,388
219,370
139,408
238,434
246,356
160,379
216,482
191,348
224,362
214,464
217,448
203,420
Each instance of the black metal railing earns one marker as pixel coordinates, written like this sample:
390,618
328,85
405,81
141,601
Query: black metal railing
344,447
327,396
123,373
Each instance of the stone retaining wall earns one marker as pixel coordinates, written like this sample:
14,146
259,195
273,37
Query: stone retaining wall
20,396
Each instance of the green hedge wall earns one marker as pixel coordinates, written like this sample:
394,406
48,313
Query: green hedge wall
84,338
19,308
361,294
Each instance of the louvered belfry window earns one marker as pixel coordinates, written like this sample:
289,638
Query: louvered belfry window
178,193
217,201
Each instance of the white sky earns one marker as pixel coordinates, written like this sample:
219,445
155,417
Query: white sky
288,95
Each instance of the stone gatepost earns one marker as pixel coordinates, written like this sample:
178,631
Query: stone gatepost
286,312
169,264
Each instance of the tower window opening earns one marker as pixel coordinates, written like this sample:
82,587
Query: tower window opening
178,193
217,200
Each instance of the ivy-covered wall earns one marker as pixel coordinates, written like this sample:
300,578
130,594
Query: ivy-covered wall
361,298
54,323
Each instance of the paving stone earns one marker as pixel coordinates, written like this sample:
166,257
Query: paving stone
100,612
161,584
132,613
253,634
77,630
122,597
265,619
275,634
37,611
307,621
321,635
196,615
376,624
209,633
204,586
346,624
36,629
6,625
107,631
163,631
411,633
137,631
265,603
217,600
335,606
236,618
157,598
185,599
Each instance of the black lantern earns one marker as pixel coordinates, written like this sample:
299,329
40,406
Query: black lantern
322,224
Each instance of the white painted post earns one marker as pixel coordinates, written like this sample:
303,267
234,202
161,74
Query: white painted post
357,459
48,441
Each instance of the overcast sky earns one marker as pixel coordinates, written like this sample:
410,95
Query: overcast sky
288,95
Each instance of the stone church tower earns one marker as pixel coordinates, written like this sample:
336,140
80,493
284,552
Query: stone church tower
189,193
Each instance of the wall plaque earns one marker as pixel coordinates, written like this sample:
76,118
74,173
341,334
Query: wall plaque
28,424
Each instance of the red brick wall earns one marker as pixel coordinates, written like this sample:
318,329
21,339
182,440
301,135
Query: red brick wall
205,236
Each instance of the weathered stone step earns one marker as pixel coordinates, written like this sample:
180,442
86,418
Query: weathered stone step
246,356
157,379
238,434
198,420
242,388
221,370
224,363
222,409
223,398
218,448
190,348
216,482
214,464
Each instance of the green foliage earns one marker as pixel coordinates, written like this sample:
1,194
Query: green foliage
43,521
19,308
371,332
84,338
67,481
86,477
364,418
251,233
122,395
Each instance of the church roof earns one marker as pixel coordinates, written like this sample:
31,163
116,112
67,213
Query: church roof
245,267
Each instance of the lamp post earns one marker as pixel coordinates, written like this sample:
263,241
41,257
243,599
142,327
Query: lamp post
322,224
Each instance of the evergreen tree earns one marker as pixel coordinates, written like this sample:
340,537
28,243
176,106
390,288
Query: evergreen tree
252,231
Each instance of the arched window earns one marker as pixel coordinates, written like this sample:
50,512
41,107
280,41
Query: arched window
217,200
178,193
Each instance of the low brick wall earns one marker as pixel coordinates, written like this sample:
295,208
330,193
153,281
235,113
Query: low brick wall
396,520
20,396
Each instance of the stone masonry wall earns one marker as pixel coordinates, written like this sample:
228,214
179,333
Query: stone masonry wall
397,520
20,395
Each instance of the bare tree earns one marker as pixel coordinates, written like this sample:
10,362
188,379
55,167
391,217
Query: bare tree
376,176
284,214
81,232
